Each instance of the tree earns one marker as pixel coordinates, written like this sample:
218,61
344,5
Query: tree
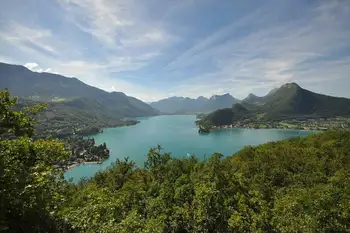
30,184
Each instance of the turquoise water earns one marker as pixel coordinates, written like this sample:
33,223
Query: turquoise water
178,135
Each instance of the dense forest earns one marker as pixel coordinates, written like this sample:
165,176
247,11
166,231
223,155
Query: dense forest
296,185
76,116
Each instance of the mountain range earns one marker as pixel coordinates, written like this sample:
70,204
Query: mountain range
83,106
185,105
71,103
48,87
288,101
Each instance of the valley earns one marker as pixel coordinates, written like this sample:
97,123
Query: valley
259,150
165,116
73,108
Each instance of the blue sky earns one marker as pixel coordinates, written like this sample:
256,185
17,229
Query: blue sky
153,49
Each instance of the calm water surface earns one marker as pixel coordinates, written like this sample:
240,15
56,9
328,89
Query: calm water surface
178,135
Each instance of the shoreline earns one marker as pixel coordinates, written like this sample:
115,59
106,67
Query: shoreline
299,129
69,167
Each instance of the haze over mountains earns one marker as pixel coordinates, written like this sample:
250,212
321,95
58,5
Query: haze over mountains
185,105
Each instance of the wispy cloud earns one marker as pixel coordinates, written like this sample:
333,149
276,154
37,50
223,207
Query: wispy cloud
36,68
272,53
116,23
151,48
102,19
28,38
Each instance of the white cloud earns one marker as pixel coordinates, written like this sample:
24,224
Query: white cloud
36,68
100,18
114,44
116,23
21,35
271,54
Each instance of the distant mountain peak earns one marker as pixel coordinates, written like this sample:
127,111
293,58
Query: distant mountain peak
201,104
290,85
252,99
227,95
251,95
202,98
175,97
284,86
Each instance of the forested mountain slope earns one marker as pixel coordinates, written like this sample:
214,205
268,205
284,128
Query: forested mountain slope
73,116
291,99
287,102
49,87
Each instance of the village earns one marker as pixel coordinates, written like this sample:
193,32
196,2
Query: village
297,124
83,151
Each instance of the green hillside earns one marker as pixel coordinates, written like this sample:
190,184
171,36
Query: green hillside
72,106
73,116
252,99
292,100
47,87
288,102
225,116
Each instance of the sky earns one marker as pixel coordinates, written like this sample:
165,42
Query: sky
154,49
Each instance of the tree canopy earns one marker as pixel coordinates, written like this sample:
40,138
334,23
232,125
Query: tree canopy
297,185
30,190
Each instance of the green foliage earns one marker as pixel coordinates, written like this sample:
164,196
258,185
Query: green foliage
79,116
297,185
225,116
20,123
30,189
85,149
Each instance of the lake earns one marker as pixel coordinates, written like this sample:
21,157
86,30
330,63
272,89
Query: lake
178,135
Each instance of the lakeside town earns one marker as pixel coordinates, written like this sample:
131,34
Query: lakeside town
320,124
69,129
83,151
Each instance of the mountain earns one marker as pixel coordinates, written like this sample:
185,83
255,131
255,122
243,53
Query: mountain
49,87
225,116
182,105
288,101
292,100
78,115
174,105
252,99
